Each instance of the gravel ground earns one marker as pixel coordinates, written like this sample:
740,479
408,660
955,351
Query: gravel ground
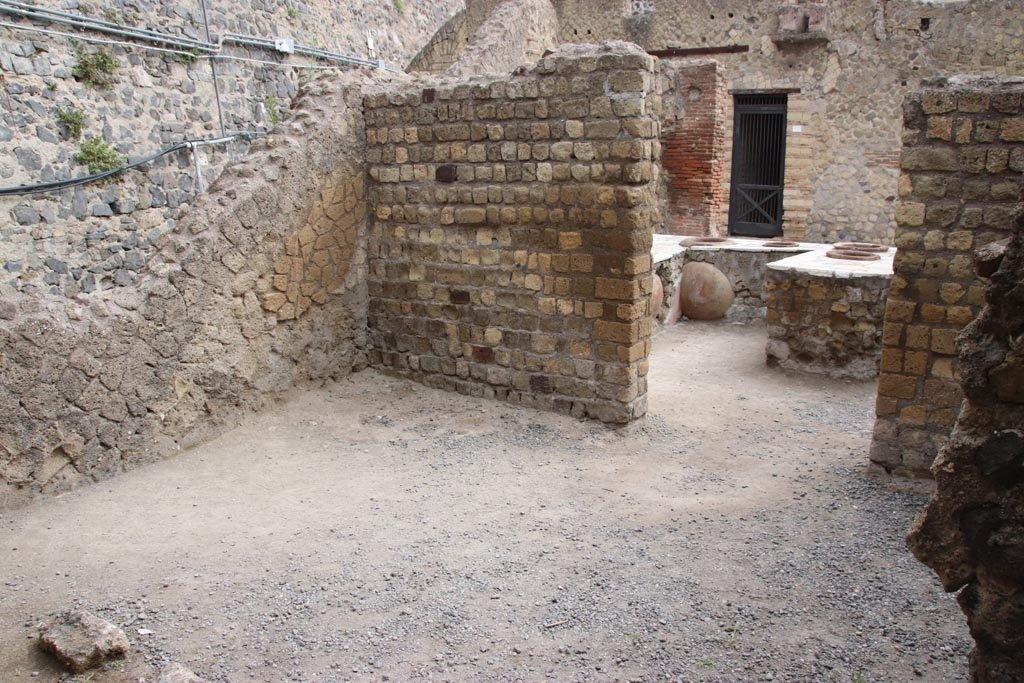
378,530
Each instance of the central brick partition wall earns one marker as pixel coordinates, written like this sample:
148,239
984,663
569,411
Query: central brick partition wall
510,244
961,182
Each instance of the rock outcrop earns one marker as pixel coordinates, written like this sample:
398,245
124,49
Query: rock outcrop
972,531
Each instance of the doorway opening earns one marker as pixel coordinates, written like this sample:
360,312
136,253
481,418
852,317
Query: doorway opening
758,165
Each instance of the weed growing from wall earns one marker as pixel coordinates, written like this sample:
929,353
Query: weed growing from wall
400,6
72,121
190,58
127,18
98,156
272,111
293,13
97,70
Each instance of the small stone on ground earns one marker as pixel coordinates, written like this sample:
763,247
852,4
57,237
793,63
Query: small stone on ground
82,641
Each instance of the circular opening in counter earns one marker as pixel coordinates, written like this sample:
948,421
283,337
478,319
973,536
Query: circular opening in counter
704,241
852,255
780,244
869,247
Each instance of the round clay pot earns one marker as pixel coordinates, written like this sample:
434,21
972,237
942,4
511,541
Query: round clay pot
657,298
705,293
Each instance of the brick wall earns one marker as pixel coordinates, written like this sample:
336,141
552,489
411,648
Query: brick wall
510,246
960,184
694,105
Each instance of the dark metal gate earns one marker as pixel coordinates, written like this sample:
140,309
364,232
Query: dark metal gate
758,165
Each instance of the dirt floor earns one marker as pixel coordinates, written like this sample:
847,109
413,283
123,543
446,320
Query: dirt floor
379,530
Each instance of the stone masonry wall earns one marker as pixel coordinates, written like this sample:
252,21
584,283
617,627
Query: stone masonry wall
972,531
515,34
825,325
962,163
100,235
451,39
846,85
444,48
260,288
510,246
694,102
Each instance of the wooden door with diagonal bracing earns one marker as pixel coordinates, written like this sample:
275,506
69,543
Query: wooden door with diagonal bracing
758,165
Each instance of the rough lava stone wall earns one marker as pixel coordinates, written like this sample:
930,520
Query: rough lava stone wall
99,236
510,247
972,531
827,325
516,33
962,161
694,105
260,288
451,39
444,48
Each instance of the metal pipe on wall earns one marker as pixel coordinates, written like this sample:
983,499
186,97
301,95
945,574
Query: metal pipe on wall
213,71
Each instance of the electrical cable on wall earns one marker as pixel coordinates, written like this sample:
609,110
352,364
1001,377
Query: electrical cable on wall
191,55
196,49
55,185
186,47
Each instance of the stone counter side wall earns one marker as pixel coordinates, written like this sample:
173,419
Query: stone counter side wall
825,325
510,248
261,288
961,181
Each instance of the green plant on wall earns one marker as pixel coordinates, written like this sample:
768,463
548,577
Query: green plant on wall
72,121
293,13
400,6
98,156
126,18
190,56
97,70
272,110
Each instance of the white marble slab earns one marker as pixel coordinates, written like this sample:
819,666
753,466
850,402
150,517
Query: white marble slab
817,263
751,244
807,257
665,247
